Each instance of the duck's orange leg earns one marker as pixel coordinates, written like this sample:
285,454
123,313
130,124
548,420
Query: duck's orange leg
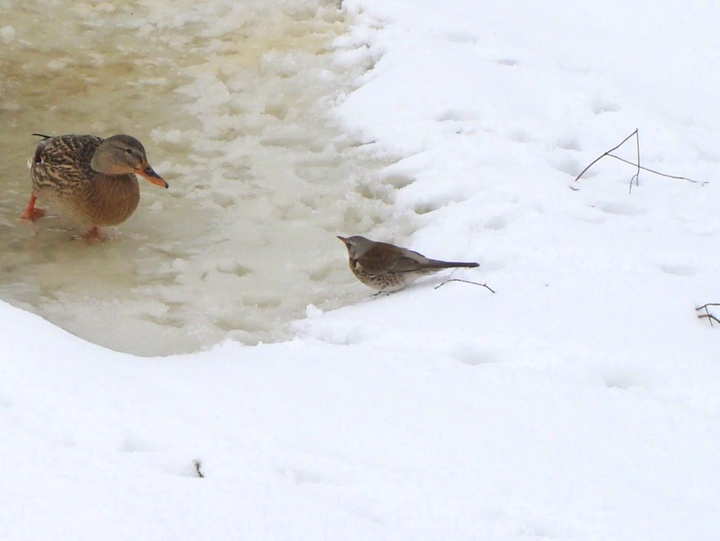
31,213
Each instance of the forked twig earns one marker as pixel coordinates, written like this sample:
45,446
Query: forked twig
606,153
636,176
707,315
466,282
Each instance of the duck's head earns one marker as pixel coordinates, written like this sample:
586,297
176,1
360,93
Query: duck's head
122,154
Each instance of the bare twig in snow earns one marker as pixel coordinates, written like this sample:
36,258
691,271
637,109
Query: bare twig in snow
638,166
707,315
653,171
465,282
607,153
198,471
637,174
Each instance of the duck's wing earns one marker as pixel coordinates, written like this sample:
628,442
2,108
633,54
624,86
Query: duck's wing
67,150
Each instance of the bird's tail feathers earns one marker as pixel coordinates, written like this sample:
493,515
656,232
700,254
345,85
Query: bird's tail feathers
452,264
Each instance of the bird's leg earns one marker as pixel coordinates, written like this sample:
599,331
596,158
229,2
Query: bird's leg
31,213
92,234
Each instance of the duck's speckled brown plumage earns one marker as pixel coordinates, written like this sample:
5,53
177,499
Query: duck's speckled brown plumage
63,177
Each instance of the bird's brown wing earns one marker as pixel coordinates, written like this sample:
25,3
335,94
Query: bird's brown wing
373,261
384,258
408,262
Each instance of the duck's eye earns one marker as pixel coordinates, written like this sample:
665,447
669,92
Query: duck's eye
128,151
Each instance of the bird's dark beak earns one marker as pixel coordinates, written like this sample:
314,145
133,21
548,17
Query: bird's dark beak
341,238
150,174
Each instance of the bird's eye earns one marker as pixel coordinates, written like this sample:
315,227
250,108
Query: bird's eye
128,151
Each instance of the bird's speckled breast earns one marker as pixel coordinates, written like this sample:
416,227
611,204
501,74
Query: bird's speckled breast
383,281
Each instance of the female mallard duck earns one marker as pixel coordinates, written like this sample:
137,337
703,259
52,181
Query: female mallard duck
88,179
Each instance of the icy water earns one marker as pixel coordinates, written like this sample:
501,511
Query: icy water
231,101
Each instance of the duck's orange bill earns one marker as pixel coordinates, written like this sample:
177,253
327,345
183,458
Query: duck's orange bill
150,174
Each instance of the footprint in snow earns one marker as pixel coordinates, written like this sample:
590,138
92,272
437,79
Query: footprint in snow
589,216
138,444
568,142
602,105
620,208
569,166
474,355
461,37
678,268
514,213
619,380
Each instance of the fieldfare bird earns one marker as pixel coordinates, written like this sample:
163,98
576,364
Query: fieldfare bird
388,268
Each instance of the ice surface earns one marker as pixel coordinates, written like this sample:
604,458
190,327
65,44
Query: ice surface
235,115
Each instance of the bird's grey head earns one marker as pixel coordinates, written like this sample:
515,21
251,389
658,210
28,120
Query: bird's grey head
357,246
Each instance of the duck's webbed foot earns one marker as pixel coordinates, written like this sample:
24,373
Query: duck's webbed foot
31,212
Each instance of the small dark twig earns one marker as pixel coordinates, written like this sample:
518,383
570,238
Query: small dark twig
707,315
466,282
636,177
198,465
676,177
613,149
637,174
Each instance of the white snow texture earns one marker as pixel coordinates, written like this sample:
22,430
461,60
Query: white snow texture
580,401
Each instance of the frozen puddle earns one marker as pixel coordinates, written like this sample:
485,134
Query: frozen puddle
231,102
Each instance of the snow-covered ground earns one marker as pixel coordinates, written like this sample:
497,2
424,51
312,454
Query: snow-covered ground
580,401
